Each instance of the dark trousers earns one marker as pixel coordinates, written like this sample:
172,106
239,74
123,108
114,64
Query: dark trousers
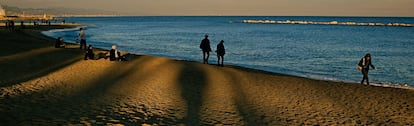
364,72
206,54
218,60
82,43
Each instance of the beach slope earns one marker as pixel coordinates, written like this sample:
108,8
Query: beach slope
43,85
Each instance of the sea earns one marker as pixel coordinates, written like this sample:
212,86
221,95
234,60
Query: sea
317,51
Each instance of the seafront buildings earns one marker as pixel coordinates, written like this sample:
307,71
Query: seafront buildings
22,17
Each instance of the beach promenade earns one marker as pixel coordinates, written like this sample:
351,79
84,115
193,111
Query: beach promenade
43,85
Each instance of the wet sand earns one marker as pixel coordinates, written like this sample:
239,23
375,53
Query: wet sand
43,85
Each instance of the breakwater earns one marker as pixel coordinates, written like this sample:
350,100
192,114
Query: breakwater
327,23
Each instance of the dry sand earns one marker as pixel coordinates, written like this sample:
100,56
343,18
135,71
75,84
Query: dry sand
42,85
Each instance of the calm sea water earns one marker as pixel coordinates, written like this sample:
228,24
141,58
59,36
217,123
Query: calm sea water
326,52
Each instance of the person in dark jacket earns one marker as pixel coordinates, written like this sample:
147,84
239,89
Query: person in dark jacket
114,54
364,65
220,53
205,47
89,53
59,43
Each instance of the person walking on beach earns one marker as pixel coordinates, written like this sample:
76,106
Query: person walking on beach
89,53
22,24
220,53
12,25
364,65
82,38
7,25
205,47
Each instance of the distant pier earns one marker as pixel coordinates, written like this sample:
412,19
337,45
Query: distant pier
326,23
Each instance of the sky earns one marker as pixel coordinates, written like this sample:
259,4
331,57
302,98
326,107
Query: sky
233,7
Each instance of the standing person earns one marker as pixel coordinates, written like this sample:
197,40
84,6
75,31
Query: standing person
12,25
82,38
220,53
364,65
89,53
205,46
22,24
7,24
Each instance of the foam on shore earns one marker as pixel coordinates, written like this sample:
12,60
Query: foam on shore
327,23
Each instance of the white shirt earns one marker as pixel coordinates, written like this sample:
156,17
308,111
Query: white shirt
82,35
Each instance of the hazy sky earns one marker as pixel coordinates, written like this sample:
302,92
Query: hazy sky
234,7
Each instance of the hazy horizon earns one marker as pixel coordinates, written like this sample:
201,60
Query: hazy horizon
394,8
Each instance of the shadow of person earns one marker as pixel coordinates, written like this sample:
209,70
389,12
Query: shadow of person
192,80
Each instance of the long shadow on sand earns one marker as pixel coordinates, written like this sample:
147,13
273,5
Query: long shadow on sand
246,106
24,68
192,80
95,104
34,109
19,41
26,54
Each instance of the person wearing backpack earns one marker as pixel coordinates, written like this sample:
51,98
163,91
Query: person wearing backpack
364,65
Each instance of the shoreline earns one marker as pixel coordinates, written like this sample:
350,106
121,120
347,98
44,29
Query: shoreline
58,87
332,79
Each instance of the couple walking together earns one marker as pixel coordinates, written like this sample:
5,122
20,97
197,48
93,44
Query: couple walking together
205,47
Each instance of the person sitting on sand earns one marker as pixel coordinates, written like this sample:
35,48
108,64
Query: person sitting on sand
220,53
89,53
205,47
59,43
364,65
115,55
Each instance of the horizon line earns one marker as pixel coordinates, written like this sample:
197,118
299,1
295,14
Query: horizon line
126,15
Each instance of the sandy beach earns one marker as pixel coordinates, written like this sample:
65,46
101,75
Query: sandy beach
43,85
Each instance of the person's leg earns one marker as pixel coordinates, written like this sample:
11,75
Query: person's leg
364,76
84,44
222,60
218,60
204,57
81,44
208,55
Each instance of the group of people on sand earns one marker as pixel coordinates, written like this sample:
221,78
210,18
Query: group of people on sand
10,25
114,55
220,50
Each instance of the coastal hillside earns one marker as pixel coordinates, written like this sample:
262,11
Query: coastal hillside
11,10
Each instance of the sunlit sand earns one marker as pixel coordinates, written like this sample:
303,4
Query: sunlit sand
43,85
